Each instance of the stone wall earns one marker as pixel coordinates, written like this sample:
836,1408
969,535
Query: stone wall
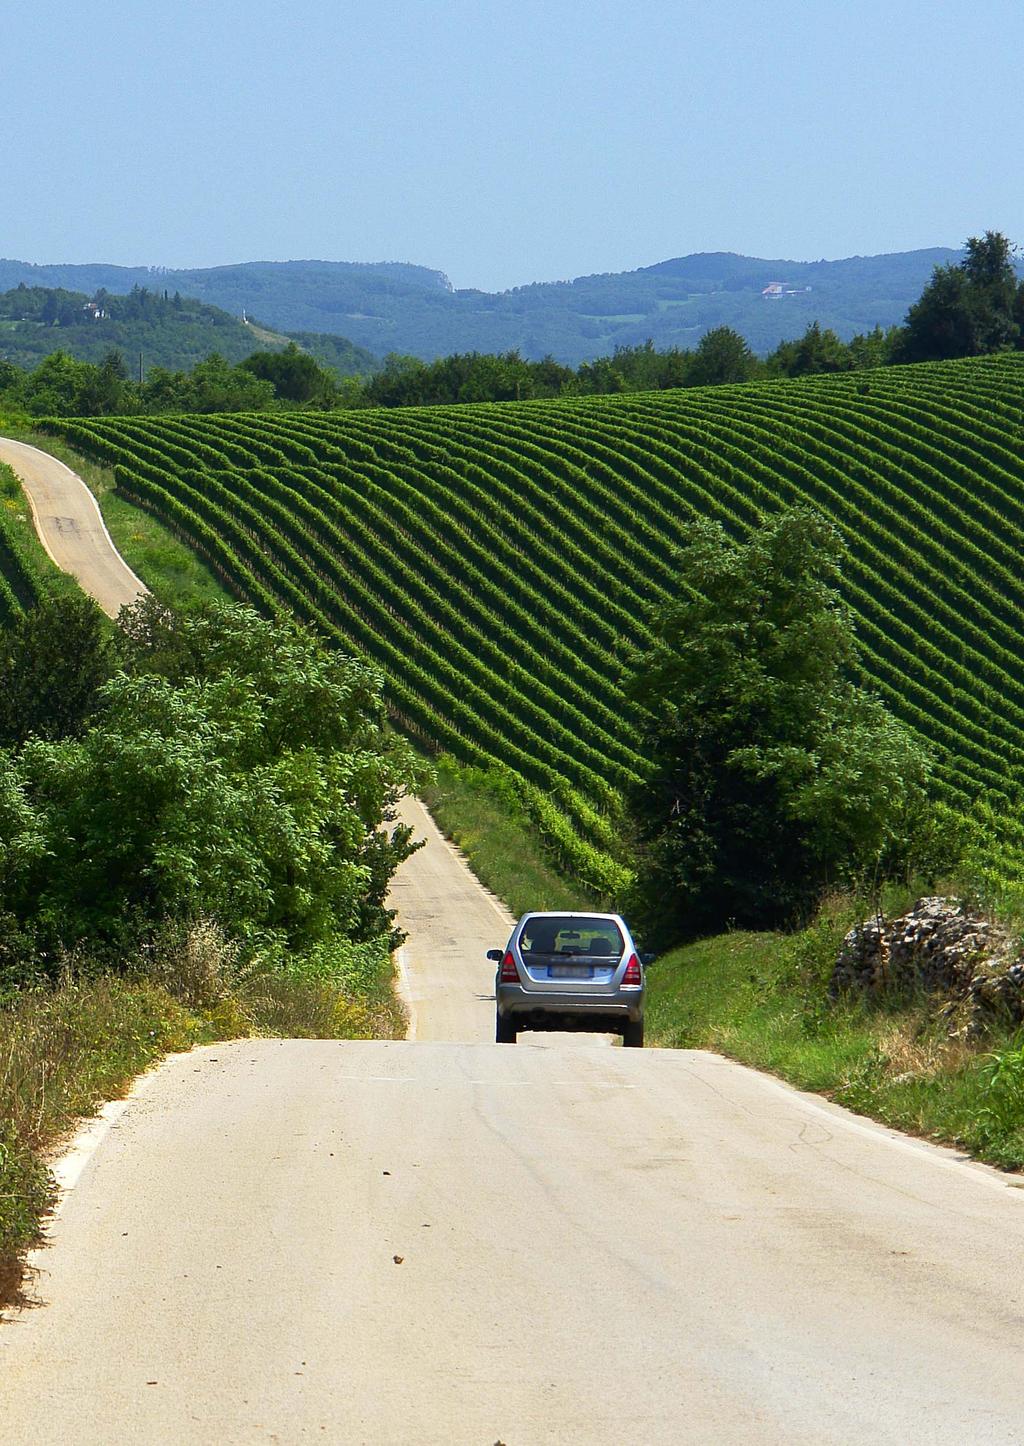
968,964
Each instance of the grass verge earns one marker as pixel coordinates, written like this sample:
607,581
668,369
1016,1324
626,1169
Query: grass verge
482,816
762,999
24,565
66,1050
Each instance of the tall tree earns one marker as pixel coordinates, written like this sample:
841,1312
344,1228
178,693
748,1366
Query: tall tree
53,660
970,309
773,771
722,355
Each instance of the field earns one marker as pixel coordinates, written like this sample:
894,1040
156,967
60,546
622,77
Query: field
497,561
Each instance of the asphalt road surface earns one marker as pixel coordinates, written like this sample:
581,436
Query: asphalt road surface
451,1241
69,523
455,1241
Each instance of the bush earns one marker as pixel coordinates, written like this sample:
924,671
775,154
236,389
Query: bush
234,770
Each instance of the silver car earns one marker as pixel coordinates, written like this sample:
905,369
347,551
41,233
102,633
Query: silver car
570,971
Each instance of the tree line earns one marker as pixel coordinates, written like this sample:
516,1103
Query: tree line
971,308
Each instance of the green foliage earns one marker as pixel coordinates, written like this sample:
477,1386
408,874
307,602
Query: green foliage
54,658
482,811
498,562
406,381
722,356
294,375
26,572
971,309
773,773
1001,1116
169,330
232,769
61,386
212,385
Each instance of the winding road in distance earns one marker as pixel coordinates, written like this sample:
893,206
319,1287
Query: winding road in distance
70,526
449,1241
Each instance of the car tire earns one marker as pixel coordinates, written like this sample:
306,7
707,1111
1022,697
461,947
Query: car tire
633,1034
504,1030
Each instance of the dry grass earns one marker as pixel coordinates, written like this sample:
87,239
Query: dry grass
913,1050
62,1053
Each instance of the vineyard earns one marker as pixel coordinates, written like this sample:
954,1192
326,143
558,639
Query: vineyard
497,561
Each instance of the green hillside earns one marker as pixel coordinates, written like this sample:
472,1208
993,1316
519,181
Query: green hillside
169,330
497,560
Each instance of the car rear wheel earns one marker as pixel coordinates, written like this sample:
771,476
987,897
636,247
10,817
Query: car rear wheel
504,1030
633,1034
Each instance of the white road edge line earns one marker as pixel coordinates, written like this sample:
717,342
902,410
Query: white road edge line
503,914
68,1167
40,534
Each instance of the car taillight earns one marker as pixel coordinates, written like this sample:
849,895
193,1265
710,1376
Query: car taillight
509,972
632,974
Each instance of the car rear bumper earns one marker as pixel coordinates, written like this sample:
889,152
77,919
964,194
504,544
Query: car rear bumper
579,1011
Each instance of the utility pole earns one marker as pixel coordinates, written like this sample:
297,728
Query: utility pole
142,372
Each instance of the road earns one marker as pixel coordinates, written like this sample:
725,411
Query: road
450,1241
70,525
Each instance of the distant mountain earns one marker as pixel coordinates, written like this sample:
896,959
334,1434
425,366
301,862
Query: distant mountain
397,307
168,329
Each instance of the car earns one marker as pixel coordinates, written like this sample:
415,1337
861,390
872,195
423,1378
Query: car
570,971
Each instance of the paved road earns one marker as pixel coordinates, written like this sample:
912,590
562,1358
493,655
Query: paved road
451,1241
451,922
595,1245
69,523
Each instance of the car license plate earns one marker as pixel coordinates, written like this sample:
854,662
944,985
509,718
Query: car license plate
570,971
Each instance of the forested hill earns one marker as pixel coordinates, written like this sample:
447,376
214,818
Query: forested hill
170,330
394,307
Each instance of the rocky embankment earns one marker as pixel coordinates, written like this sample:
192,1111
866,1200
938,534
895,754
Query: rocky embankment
970,965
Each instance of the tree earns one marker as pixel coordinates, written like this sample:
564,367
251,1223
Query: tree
722,355
971,309
773,771
872,349
988,267
107,390
234,769
294,375
213,385
53,660
815,352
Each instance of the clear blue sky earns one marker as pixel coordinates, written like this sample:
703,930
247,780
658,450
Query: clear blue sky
506,142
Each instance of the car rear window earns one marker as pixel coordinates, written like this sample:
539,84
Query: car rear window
553,936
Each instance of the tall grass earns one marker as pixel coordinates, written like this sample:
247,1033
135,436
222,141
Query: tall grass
481,814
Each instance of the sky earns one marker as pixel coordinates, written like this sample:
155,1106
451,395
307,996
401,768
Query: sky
504,143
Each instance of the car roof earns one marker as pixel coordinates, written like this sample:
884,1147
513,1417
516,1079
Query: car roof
568,914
